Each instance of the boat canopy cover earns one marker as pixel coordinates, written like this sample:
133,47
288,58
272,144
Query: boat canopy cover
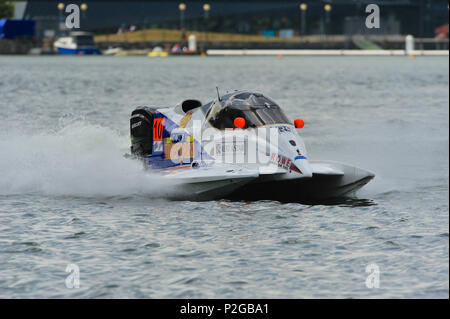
255,108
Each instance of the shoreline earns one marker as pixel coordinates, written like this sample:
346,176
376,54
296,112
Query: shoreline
270,52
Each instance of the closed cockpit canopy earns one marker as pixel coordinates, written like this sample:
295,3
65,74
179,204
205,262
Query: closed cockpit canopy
255,108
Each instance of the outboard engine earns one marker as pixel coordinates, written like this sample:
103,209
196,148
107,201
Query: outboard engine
141,131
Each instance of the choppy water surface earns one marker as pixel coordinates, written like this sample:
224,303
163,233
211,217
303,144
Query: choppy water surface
67,196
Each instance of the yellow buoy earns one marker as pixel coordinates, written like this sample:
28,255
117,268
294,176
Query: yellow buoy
158,54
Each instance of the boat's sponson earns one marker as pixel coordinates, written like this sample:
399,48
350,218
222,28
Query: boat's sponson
330,180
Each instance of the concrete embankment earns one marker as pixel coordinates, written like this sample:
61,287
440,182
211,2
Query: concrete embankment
15,46
327,52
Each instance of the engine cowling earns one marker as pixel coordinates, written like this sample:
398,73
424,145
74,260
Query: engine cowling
141,131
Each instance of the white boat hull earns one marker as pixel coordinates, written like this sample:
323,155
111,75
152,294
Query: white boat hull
329,180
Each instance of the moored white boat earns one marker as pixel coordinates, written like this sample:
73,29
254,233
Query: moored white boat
78,43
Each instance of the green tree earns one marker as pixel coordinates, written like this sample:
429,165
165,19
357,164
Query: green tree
6,9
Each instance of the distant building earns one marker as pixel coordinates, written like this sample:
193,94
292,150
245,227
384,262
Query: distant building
416,17
19,9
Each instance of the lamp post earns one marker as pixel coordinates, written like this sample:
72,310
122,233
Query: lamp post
60,7
206,9
303,8
83,8
182,8
327,9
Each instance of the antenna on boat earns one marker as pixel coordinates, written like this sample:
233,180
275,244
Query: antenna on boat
218,95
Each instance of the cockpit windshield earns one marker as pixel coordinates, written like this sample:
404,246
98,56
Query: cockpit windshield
255,108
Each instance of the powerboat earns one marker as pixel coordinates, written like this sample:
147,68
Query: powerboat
239,146
79,43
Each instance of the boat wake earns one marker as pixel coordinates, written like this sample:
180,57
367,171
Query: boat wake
78,160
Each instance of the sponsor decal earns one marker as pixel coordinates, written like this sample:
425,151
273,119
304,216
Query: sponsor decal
300,157
158,125
295,168
177,137
179,151
284,162
224,148
136,124
185,120
280,160
284,129
157,146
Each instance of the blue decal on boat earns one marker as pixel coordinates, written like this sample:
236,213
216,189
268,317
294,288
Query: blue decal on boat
158,158
299,157
78,51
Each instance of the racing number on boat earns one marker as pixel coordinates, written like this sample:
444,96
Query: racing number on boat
158,125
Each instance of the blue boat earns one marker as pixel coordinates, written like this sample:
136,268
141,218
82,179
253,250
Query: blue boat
79,43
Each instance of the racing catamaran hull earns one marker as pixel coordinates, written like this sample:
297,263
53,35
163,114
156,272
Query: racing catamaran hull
239,146
319,187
